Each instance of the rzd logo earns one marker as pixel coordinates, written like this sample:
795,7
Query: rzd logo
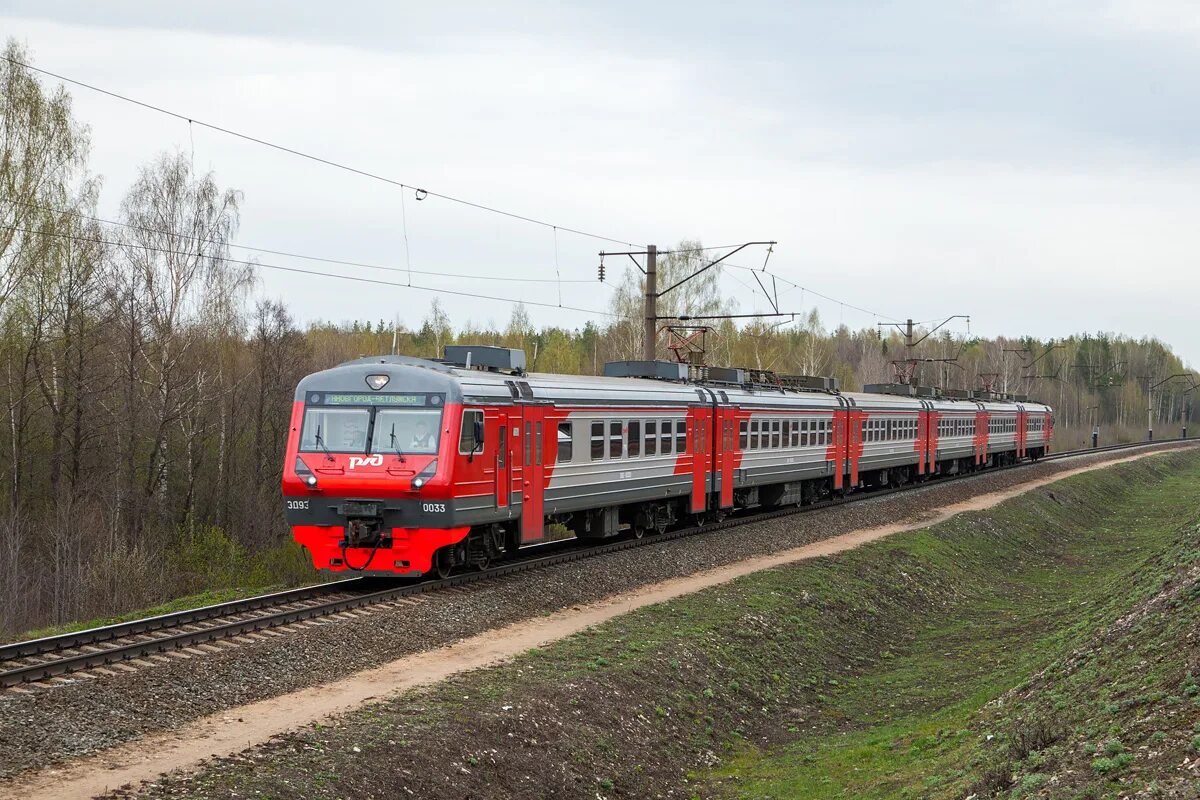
369,461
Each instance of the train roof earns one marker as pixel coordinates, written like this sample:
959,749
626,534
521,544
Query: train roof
469,384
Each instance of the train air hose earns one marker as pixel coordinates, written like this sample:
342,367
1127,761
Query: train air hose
351,567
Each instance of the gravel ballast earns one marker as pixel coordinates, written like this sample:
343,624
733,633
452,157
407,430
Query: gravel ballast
82,716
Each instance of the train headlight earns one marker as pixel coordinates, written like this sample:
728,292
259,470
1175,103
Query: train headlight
311,480
377,382
418,483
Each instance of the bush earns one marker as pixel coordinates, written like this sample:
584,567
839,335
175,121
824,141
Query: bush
1118,762
1033,736
994,779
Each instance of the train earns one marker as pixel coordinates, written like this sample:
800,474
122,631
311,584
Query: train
406,467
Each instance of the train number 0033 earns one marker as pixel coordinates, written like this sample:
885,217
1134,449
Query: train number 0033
433,508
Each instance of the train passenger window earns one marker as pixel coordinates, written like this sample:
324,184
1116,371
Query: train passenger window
634,432
566,444
786,436
743,434
680,436
614,439
597,441
651,438
805,436
753,434
774,433
502,446
665,431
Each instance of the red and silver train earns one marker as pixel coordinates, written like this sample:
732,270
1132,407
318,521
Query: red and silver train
405,466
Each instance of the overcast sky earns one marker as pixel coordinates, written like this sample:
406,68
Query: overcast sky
1032,164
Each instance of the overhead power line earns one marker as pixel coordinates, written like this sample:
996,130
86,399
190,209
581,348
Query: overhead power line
420,193
322,259
297,270
795,285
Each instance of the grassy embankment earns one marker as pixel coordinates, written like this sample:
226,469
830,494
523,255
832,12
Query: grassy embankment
1045,647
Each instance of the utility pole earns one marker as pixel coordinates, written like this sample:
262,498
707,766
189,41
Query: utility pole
1150,393
906,374
651,320
650,317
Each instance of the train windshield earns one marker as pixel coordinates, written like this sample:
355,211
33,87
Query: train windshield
335,430
391,430
406,431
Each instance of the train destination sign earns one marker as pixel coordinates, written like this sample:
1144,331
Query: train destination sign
374,399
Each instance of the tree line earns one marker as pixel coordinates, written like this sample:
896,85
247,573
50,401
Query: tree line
147,390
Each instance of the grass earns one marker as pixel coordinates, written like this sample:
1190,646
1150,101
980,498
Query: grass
211,568
874,673
936,735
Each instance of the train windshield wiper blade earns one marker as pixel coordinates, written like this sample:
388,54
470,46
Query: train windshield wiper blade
321,443
396,447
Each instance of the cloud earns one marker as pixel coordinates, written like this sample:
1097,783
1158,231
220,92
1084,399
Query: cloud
1001,161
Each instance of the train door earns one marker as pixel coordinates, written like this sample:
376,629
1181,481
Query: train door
981,436
1022,432
926,437
724,438
701,419
854,441
503,459
533,483
837,450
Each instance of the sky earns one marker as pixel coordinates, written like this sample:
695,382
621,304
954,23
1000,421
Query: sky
1033,165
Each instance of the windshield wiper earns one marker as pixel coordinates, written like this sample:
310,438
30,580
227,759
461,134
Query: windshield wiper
321,443
399,453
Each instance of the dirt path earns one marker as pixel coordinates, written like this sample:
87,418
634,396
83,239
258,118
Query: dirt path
237,729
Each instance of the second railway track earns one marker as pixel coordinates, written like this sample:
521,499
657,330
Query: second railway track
46,658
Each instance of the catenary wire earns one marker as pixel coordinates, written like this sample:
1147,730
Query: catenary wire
421,193
297,270
793,284
287,254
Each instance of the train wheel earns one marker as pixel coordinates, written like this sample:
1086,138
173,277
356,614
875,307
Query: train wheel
443,562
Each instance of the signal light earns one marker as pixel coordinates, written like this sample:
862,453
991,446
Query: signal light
377,382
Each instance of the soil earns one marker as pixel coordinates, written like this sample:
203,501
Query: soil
231,731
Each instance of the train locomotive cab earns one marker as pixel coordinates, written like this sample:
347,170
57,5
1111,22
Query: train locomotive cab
369,471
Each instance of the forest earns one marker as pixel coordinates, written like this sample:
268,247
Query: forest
147,386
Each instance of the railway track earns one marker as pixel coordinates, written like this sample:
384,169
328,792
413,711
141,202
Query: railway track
50,657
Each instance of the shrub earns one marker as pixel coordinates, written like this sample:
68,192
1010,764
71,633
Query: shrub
1033,736
1118,762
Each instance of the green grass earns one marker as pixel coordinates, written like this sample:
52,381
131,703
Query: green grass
869,674
917,727
211,568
